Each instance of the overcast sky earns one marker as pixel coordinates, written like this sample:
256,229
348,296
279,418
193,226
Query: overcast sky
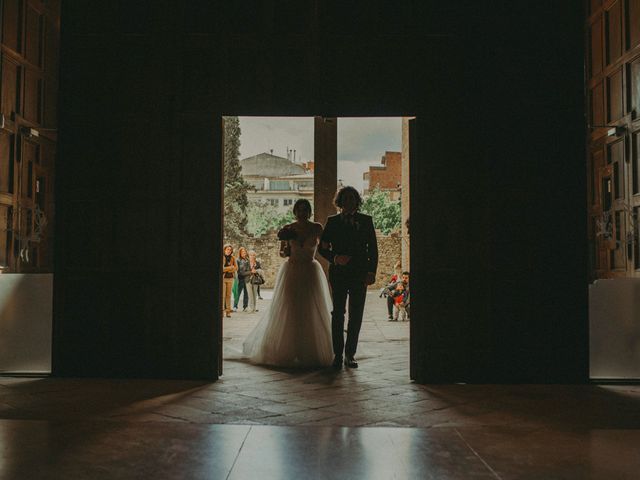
361,141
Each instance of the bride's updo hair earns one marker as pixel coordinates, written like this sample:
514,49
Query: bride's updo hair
300,204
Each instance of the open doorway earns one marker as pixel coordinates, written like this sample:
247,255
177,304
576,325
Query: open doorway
270,162
268,167
373,156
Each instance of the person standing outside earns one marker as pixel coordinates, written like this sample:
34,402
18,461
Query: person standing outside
349,243
392,282
254,280
229,267
399,305
243,276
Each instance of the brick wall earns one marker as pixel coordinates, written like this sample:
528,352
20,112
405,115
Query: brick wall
390,175
267,249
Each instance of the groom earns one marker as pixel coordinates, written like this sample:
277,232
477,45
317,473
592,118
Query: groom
349,244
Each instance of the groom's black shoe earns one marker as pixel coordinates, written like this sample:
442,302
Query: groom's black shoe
337,362
349,362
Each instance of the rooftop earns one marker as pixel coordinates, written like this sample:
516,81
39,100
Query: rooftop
268,165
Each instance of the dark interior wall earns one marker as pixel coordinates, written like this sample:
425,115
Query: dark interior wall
503,258
498,94
530,137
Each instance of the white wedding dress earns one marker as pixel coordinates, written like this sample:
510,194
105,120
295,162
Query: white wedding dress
295,331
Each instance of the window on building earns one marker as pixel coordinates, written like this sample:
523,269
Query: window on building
304,185
279,185
274,202
287,202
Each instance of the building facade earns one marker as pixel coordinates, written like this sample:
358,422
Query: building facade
277,181
387,177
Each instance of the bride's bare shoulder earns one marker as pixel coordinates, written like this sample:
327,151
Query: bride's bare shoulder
317,227
290,225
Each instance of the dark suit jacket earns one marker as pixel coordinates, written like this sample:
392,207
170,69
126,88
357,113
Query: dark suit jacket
358,240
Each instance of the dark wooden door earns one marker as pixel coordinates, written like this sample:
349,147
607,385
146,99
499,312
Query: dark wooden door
449,288
613,80
218,320
28,136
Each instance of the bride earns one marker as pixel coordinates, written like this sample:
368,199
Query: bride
295,331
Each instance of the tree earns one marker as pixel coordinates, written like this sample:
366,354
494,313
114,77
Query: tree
386,213
262,218
235,187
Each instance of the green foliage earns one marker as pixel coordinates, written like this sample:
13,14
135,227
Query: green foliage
386,213
235,187
263,218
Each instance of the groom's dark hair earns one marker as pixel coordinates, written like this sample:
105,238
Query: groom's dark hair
338,201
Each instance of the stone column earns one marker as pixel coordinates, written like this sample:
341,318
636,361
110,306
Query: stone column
405,193
325,176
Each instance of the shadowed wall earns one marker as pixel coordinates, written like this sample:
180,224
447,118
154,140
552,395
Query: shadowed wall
498,223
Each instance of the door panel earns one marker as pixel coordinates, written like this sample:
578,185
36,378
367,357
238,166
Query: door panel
633,23
615,100
12,22
449,329
11,88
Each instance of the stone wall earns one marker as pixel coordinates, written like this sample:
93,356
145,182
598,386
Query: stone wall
389,253
406,244
267,248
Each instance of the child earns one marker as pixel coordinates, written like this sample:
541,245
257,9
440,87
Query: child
387,291
399,310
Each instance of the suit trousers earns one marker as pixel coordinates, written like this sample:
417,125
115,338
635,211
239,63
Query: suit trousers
355,289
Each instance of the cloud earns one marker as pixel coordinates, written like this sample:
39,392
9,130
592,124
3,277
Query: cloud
366,139
262,134
350,173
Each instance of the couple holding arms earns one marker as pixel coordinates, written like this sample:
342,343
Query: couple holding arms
304,325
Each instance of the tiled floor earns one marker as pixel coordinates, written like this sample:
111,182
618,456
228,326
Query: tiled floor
367,423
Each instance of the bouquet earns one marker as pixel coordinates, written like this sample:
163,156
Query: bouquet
286,233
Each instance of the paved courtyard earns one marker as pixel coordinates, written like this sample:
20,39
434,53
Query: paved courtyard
373,394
